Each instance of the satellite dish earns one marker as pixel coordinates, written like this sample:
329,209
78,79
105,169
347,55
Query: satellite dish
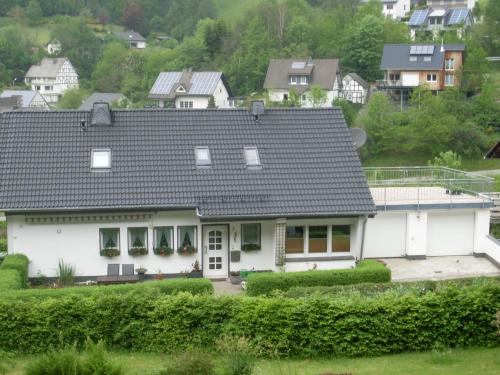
358,136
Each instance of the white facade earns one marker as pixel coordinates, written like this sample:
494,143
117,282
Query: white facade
436,4
280,95
353,91
54,47
396,9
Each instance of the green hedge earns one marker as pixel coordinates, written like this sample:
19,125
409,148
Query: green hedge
3,245
10,280
366,271
18,262
314,326
152,289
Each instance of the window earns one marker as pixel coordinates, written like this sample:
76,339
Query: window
388,6
293,80
294,241
163,238
448,79
252,157
318,239
449,64
394,77
186,239
202,155
37,88
101,159
341,238
137,241
304,80
413,58
110,241
427,58
285,96
304,97
432,77
186,104
250,237
48,88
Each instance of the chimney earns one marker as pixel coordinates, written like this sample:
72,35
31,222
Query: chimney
101,114
257,108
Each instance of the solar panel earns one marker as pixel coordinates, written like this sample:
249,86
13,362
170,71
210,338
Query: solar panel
422,50
298,65
457,16
418,17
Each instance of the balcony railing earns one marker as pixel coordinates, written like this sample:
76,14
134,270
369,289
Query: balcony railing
391,84
427,185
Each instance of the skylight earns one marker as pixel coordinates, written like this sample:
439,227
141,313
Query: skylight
202,155
101,159
298,65
252,157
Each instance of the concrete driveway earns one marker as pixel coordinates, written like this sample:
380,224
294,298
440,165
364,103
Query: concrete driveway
440,268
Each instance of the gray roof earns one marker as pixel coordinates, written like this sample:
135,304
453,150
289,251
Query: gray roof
106,97
26,96
323,73
48,67
309,164
397,56
10,103
130,36
194,83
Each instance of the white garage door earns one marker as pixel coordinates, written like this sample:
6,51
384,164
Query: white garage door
410,79
450,233
385,236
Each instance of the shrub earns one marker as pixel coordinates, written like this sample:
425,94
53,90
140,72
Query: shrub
190,362
152,289
365,271
10,280
3,245
18,262
65,273
239,357
312,326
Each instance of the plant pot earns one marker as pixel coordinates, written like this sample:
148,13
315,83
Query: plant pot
235,279
195,274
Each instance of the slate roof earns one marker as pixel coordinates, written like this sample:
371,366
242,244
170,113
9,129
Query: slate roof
195,83
26,96
397,56
130,36
48,67
309,164
324,73
106,97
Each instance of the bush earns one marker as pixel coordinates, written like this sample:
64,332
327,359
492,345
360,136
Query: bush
3,245
18,262
365,271
312,326
10,280
190,362
238,356
65,273
152,289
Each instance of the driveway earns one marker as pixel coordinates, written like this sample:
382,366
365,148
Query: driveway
439,268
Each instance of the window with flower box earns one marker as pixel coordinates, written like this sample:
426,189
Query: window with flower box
186,240
163,240
137,241
109,239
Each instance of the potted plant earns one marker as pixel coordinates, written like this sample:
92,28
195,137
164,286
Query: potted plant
137,248
141,271
235,278
163,249
186,247
110,249
196,272
250,247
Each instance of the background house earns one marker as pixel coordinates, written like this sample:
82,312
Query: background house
354,88
408,66
434,21
285,75
188,89
53,47
52,77
102,97
132,38
27,99
448,4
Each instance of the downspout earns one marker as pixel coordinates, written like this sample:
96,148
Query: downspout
363,238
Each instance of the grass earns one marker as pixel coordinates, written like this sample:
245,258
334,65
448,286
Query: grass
484,361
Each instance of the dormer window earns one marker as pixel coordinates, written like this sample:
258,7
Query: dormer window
252,157
293,80
304,80
101,159
202,155
181,89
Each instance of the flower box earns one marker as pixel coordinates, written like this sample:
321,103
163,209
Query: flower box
163,251
138,250
250,247
186,250
110,252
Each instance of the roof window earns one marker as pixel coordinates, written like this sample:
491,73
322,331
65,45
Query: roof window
252,157
413,58
101,159
202,155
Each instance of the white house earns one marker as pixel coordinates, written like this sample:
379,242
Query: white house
52,77
396,9
132,38
27,99
434,21
53,47
285,76
188,89
447,4
354,88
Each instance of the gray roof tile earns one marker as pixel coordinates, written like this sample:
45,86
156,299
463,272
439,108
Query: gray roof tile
397,56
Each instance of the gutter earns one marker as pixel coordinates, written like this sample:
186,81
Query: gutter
363,237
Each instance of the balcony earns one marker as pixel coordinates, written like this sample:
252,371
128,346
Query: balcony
427,187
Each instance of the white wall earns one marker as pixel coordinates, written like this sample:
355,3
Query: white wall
221,96
385,235
399,8
450,233
353,91
416,233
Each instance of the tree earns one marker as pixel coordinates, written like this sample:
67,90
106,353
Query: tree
15,57
72,99
348,109
363,48
133,18
317,95
34,12
447,159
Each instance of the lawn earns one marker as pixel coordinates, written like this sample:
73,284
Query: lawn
453,362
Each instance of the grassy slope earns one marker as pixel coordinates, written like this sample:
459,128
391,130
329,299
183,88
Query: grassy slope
453,362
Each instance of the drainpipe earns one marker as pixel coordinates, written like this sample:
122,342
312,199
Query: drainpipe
363,237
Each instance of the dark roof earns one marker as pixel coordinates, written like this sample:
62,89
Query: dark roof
397,56
309,164
48,67
493,152
106,97
130,36
323,72
10,103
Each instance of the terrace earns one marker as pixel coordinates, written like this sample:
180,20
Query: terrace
427,187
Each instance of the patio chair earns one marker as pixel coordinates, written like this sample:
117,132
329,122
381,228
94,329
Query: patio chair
112,276
128,273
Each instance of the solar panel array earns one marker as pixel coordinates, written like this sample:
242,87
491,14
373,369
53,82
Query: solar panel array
418,17
457,16
298,65
422,50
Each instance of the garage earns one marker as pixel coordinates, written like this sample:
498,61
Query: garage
450,233
385,236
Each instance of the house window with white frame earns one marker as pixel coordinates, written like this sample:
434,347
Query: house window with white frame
138,241
101,159
186,104
293,80
448,79
431,77
317,239
449,64
304,80
109,239
250,237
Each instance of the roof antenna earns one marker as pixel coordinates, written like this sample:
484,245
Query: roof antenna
442,46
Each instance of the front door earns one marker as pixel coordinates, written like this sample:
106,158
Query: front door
215,250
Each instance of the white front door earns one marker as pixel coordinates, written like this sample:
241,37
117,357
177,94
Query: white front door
215,250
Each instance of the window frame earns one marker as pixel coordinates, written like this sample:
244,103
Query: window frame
199,163
326,227
304,236
100,150
170,240
293,80
446,65
331,229
452,76
259,237
247,149
433,77
194,239
306,251
129,237
101,238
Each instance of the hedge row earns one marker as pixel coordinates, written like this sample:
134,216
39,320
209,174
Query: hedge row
3,245
14,272
152,289
367,271
314,326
